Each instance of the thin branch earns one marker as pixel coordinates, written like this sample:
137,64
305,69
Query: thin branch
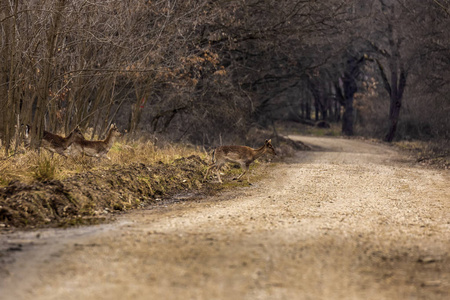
387,86
442,6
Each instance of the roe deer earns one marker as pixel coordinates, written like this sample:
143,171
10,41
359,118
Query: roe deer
95,148
242,155
56,143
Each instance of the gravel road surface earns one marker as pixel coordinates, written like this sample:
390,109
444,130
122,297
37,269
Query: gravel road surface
349,220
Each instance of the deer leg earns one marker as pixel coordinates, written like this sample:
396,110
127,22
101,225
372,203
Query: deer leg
248,175
245,168
61,153
207,170
218,167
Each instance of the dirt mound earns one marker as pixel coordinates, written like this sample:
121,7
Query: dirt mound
89,197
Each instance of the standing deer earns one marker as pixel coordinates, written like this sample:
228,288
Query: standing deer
242,155
97,149
56,143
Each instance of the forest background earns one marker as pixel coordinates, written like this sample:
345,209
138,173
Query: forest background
206,72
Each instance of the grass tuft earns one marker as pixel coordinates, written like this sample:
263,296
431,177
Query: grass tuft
44,168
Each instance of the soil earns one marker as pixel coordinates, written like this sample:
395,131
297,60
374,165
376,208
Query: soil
91,197
348,220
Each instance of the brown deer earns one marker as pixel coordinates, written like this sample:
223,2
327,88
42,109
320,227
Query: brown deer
242,155
56,143
97,149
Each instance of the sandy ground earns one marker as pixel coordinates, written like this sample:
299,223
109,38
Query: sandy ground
349,220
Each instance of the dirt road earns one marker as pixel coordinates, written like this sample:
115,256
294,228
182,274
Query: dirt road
349,220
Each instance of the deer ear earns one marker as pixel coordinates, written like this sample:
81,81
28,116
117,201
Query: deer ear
269,141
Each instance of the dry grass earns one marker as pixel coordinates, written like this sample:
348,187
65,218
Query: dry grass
142,151
31,165
434,153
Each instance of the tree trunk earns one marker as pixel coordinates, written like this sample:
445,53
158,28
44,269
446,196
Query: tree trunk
308,109
9,80
316,111
142,94
394,113
345,90
337,111
347,118
395,90
325,114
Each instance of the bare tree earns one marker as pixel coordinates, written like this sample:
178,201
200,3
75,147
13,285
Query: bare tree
398,36
199,70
